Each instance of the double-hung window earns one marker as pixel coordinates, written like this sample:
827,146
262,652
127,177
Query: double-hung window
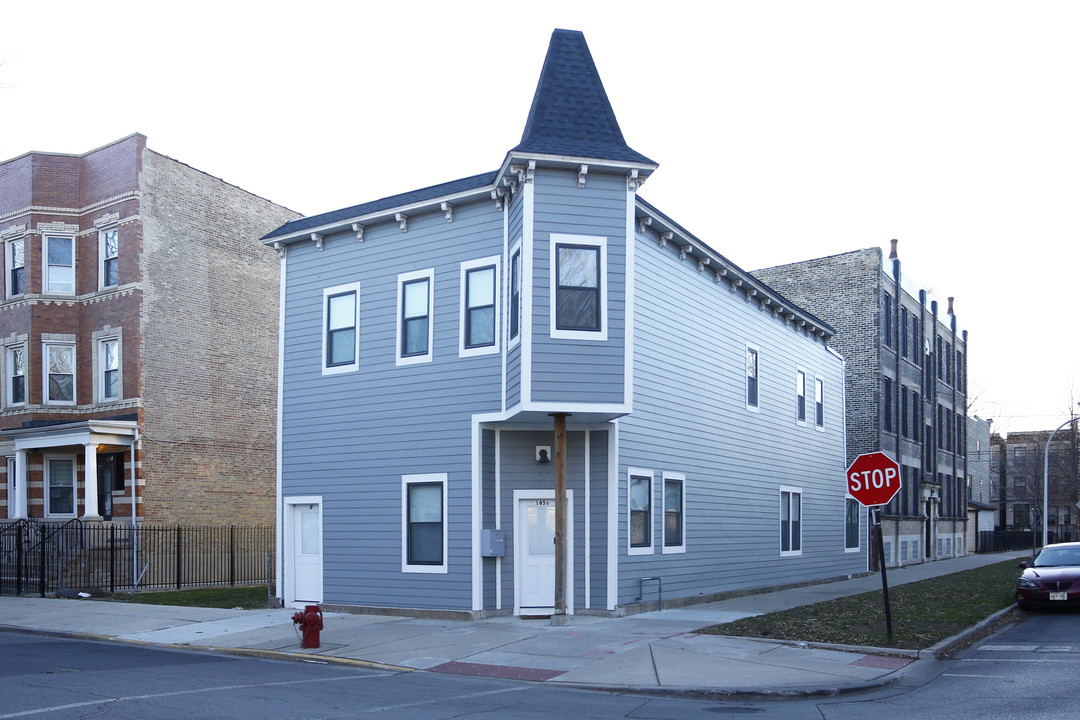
851,524
59,486
15,363
790,521
16,267
819,402
479,307
515,293
59,265
639,505
674,513
423,520
578,287
109,359
108,257
341,337
800,396
59,373
415,308
751,378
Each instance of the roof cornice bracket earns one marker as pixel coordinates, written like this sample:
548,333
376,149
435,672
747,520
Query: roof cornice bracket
499,195
525,173
665,237
736,284
281,249
644,223
449,210
359,230
403,220
701,263
685,250
318,240
582,171
633,180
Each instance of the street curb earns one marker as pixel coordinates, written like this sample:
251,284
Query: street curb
942,648
729,694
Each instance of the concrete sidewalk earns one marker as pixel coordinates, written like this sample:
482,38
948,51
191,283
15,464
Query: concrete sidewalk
656,651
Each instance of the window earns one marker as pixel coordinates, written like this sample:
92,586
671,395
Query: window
59,265
674,513
414,321
819,409
751,377
948,363
341,337
916,423
109,359
851,524
579,301
800,396
903,411
515,293
479,307
108,257
886,323
640,508
423,523
59,486
59,374
16,263
940,359
915,349
903,334
16,375
886,406
790,521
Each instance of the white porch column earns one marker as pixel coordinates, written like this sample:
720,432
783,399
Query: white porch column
90,483
18,509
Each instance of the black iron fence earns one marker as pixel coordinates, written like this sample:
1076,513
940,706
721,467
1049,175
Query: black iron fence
991,541
46,558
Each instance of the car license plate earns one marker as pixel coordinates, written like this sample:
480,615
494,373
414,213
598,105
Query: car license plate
1059,596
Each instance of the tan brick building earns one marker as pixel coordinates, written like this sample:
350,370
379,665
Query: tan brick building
138,314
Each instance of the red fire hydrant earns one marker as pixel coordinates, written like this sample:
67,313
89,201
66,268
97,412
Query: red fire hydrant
310,622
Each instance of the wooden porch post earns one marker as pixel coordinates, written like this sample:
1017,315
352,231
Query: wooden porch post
559,617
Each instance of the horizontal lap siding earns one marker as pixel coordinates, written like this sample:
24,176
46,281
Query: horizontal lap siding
350,437
690,417
581,371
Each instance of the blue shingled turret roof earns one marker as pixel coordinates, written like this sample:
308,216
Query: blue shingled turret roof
570,113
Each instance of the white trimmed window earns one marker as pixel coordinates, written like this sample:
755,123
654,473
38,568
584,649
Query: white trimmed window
819,403
578,287
15,261
514,293
852,515
752,374
790,521
341,331
108,369
59,265
639,511
59,359
415,333
108,258
674,513
479,307
59,486
15,375
800,396
423,523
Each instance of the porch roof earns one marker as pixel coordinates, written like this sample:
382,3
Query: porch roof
101,432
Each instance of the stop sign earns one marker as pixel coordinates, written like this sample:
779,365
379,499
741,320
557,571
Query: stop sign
873,479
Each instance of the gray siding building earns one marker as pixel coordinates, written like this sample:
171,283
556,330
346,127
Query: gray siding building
445,353
906,390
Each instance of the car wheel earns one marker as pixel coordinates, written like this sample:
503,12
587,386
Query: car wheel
1024,606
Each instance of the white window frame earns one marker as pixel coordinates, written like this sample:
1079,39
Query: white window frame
858,533
681,479
632,472
45,289
100,369
45,399
746,377
9,267
515,249
466,267
421,479
784,489
800,394
557,239
353,287
48,485
819,399
102,258
9,379
402,279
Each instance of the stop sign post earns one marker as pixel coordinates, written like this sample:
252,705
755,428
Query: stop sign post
874,479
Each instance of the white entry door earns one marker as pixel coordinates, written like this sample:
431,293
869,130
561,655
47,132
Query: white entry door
307,575
534,543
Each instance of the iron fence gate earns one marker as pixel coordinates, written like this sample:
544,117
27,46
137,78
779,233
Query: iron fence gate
47,558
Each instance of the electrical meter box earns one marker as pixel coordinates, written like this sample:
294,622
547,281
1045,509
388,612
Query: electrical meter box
492,543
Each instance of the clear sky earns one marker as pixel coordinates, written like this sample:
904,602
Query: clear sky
784,130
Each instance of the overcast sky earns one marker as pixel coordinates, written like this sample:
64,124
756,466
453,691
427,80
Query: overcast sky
784,130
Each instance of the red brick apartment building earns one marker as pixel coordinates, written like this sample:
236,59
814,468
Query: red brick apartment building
138,340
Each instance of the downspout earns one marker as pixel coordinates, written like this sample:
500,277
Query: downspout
934,412
956,433
134,515
897,345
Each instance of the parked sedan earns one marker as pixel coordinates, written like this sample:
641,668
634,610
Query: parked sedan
1053,578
